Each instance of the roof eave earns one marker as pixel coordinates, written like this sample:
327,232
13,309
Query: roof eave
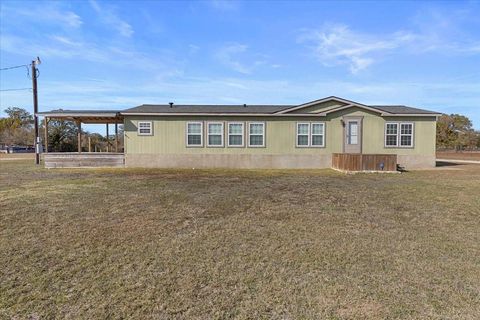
69,114
221,114
410,114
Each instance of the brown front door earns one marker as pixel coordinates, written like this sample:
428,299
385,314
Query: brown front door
352,140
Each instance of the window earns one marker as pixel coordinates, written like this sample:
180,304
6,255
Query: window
352,132
256,134
399,134
391,134
215,134
144,128
194,134
235,134
310,134
318,134
303,134
406,134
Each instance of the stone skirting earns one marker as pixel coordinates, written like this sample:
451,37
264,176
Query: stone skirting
241,161
416,161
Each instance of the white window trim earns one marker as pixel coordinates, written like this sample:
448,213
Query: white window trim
411,135
228,135
385,135
263,134
308,135
194,134
145,134
316,134
399,135
222,133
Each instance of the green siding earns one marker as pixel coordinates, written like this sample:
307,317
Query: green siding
320,107
169,135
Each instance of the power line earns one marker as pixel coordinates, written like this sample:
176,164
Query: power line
16,89
15,67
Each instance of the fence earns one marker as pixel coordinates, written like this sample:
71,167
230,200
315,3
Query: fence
364,162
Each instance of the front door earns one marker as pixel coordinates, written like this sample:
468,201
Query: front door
352,141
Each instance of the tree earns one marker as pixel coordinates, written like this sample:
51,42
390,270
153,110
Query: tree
455,131
16,129
21,115
62,136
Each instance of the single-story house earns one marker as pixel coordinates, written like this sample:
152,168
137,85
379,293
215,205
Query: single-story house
308,135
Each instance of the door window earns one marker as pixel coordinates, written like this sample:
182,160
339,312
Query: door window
352,132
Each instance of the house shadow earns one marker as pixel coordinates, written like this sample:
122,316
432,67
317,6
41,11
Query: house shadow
447,164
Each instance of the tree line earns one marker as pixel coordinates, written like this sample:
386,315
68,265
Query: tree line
454,131
16,129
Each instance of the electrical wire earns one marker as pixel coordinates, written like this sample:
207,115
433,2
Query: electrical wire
16,89
26,66
15,67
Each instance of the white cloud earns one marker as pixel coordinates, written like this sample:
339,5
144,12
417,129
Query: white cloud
65,40
228,55
338,44
51,13
108,16
106,54
192,48
240,59
430,31
224,5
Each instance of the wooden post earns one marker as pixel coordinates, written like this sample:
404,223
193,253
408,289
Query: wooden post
116,137
79,136
35,109
89,144
108,139
46,135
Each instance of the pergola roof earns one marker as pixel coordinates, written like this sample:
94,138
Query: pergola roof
85,116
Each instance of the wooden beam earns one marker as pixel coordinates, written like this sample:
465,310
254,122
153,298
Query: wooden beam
79,136
89,144
116,137
108,139
45,142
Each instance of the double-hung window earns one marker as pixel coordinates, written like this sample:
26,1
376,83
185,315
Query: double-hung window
391,134
303,134
406,134
256,134
215,134
310,134
399,134
144,128
194,134
235,134
318,134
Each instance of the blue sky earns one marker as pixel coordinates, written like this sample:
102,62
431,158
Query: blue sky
114,55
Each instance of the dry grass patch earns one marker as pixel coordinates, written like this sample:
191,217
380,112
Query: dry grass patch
238,244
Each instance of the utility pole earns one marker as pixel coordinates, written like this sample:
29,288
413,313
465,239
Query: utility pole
35,109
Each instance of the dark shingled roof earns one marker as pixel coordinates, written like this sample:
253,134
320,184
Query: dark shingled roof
228,109
260,109
198,108
403,110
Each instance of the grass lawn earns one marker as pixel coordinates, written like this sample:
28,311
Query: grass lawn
162,244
